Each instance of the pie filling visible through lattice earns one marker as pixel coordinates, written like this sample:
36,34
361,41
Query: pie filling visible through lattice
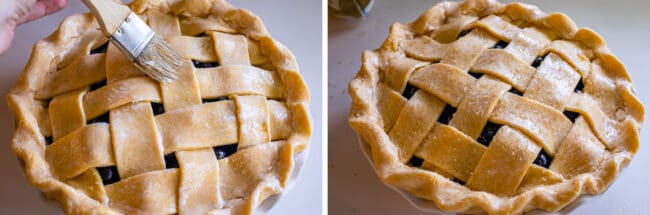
110,174
480,106
102,138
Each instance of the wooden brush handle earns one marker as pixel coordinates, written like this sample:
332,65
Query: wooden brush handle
108,13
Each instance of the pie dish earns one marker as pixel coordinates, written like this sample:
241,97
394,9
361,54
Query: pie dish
484,107
99,136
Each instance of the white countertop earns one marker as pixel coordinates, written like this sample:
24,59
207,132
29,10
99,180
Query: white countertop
295,23
353,186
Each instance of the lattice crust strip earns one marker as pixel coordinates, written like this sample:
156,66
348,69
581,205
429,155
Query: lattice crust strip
462,100
100,136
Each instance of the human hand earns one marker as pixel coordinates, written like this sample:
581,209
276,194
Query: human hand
16,12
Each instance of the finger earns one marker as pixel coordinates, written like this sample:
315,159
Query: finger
42,8
6,36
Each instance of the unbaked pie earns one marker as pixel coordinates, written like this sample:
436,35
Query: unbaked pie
479,106
102,138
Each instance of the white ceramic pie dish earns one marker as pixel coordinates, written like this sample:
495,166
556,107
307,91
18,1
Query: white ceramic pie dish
264,208
423,205
430,207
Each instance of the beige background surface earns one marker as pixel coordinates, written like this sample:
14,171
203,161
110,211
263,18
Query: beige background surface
301,35
354,187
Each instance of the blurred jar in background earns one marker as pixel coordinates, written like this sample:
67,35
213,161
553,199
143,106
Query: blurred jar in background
350,8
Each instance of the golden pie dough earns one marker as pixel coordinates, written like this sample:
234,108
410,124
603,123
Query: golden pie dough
484,107
102,138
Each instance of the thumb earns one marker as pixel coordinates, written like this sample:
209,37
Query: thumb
6,36
41,8
14,9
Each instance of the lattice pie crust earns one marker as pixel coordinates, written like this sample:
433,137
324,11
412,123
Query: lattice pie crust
480,106
102,138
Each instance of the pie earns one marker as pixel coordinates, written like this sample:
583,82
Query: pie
484,107
99,136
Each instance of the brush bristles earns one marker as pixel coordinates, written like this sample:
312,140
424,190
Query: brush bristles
159,60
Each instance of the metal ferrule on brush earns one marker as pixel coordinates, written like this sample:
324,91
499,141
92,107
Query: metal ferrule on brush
132,36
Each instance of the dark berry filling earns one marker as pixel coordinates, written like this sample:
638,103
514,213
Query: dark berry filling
103,118
415,161
199,64
100,49
516,92
543,159
476,74
157,108
501,45
463,33
580,87
97,85
109,174
488,132
225,150
409,91
571,115
171,161
447,114
538,61
458,181
48,140
215,99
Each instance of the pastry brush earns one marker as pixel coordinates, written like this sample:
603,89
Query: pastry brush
135,39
